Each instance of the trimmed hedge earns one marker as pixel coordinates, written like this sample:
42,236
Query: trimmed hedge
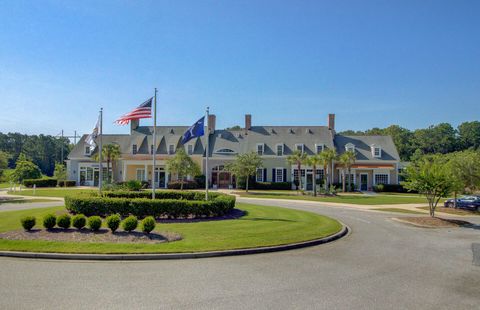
187,184
67,183
169,204
391,188
45,182
272,185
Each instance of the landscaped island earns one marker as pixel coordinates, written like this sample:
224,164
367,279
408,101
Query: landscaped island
185,222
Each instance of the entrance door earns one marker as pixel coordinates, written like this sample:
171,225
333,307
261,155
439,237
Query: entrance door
363,181
96,175
160,179
309,182
223,179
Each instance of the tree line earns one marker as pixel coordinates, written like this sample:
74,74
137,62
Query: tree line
43,150
442,138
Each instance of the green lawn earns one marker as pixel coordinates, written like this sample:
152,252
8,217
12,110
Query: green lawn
52,192
263,226
452,211
25,200
354,198
4,185
398,210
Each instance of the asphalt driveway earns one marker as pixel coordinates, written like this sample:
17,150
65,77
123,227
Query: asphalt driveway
382,264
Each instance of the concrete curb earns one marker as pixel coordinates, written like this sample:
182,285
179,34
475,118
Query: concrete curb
65,256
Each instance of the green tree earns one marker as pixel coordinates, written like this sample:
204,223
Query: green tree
297,158
25,169
110,153
314,161
431,177
347,160
469,135
60,173
4,156
245,166
182,165
465,169
328,157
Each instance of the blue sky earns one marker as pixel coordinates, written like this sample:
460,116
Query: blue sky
373,63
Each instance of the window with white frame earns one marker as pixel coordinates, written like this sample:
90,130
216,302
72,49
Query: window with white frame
279,149
381,179
299,147
279,175
171,148
134,149
259,175
349,147
295,174
319,174
190,149
140,174
319,148
260,147
376,151
87,150
151,149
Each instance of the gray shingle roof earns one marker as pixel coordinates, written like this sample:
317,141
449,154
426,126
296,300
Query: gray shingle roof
363,146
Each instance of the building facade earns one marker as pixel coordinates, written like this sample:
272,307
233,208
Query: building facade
377,160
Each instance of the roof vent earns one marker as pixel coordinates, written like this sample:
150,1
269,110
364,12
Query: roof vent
290,130
171,131
308,131
272,131
238,134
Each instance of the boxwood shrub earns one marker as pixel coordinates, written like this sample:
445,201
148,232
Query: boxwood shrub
28,222
45,182
148,224
79,221
113,221
49,221
169,204
94,222
130,223
64,221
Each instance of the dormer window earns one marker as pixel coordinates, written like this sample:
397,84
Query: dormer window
134,149
319,148
87,150
171,149
350,147
279,149
260,148
190,149
299,147
151,149
376,151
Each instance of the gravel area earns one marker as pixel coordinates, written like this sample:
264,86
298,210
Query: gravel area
84,235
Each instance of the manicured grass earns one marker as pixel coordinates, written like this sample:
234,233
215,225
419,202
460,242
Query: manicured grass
25,200
262,226
52,192
4,185
398,210
361,199
452,211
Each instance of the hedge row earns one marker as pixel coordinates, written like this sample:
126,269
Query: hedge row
47,182
218,205
163,194
393,188
272,185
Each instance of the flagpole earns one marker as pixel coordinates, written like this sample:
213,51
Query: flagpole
154,141
100,170
206,154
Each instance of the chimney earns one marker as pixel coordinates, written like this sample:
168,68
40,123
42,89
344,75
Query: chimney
211,122
331,121
134,123
248,122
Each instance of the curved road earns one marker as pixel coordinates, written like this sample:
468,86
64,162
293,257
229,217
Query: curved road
382,264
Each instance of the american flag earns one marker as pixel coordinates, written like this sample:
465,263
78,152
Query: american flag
142,111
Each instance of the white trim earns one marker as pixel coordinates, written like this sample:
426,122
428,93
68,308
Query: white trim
349,146
168,151
276,174
381,173
188,149
261,175
263,148
300,144
360,182
144,173
276,149
316,148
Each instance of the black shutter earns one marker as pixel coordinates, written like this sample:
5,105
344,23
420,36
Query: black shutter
264,174
273,175
284,175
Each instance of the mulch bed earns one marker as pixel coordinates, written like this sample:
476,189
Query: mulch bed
433,221
85,235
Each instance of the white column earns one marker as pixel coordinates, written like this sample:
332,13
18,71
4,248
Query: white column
146,173
166,178
124,169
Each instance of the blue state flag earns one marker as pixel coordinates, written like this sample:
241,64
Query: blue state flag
196,130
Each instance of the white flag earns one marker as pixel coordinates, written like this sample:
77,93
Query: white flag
90,140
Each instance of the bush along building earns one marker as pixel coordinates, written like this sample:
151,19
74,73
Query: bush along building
376,157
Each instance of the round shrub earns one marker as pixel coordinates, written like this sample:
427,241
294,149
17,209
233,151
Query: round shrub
79,221
113,221
64,221
130,223
148,224
49,221
94,222
28,222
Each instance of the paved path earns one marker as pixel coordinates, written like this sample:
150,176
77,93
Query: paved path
55,202
381,265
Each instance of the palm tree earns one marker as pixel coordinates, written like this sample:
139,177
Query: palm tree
343,159
314,161
328,156
110,152
349,161
297,158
